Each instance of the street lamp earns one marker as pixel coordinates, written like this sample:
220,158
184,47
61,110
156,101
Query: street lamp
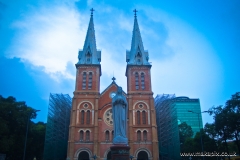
94,157
131,157
25,145
199,128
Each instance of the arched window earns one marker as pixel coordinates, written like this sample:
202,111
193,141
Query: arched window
88,57
87,136
81,135
144,117
88,117
90,80
138,117
107,136
144,135
84,80
136,81
112,135
142,81
139,58
82,117
138,135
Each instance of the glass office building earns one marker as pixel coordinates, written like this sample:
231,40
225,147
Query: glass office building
183,106
170,112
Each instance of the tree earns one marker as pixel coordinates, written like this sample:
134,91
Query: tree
210,131
227,121
36,140
185,131
232,108
13,121
185,136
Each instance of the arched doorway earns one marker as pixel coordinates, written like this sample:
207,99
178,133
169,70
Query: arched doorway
83,156
109,156
142,155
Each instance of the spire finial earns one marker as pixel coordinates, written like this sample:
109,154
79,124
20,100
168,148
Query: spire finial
137,55
135,12
94,56
92,11
113,79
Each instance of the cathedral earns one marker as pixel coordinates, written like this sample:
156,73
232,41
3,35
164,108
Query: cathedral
91,123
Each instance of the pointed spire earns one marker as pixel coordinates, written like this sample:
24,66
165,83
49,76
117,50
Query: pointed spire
136,38
90,54
137,55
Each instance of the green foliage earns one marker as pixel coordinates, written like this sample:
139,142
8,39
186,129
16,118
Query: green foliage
185,135
223,135
13,122
227,121
194,145
185,131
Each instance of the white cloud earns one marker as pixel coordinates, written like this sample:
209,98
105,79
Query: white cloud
195,62
50,38
194,70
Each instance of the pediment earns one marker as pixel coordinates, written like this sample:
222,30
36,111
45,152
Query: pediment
105,96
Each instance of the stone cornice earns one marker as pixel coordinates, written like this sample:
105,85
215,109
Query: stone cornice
89,66
85,93
139,93
136,67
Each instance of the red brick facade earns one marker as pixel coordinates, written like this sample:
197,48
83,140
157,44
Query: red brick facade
91,124
91,131
142,116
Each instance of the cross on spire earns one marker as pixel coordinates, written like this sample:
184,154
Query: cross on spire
113,78
92,11
135,12
90,46
137,55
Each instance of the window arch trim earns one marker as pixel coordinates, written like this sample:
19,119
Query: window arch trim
88,117
90,79
87,138
142,81
84,80
136,81
139,135
144,117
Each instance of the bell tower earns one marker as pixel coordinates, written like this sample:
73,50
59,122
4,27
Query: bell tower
83,129
142,117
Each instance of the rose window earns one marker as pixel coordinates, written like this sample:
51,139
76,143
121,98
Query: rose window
108,117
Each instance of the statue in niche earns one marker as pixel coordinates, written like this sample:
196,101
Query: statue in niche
120,108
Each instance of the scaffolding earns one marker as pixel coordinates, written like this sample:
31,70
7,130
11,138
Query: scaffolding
167,122
56,138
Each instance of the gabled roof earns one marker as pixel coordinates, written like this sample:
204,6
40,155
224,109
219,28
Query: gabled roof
113,83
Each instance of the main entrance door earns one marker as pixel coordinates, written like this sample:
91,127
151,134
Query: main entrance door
142,155
109,155
83,156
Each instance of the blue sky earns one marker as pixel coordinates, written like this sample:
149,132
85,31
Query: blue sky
193,47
